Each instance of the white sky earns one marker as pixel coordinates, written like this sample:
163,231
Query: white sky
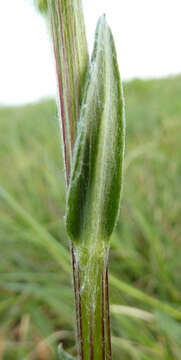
147,35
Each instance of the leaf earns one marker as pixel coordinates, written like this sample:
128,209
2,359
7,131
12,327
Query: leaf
132,312
96,178
169,327
63,355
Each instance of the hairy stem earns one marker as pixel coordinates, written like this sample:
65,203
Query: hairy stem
90,274
71,60
92,303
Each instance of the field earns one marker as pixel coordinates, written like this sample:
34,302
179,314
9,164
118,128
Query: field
36,296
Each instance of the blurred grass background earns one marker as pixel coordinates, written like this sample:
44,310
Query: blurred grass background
36,295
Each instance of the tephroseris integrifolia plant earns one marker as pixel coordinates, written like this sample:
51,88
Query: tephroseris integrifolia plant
92,122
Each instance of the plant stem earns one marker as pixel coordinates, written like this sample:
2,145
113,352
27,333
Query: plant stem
71,61
90,269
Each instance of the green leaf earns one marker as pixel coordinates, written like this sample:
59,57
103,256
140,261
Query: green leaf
96,178
63,355
169,327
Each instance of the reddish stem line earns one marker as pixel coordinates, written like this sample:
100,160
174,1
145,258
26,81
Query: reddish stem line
66,75
80,315
60,92
108,314
103,318
75,293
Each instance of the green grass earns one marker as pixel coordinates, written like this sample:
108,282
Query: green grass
36,302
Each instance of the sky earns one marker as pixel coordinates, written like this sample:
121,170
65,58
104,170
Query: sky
147,35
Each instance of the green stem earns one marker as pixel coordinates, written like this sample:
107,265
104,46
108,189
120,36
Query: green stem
92,304
71,60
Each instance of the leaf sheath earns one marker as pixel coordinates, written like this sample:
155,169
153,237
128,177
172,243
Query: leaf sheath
96,178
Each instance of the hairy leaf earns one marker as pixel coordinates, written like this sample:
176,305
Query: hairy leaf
96,177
